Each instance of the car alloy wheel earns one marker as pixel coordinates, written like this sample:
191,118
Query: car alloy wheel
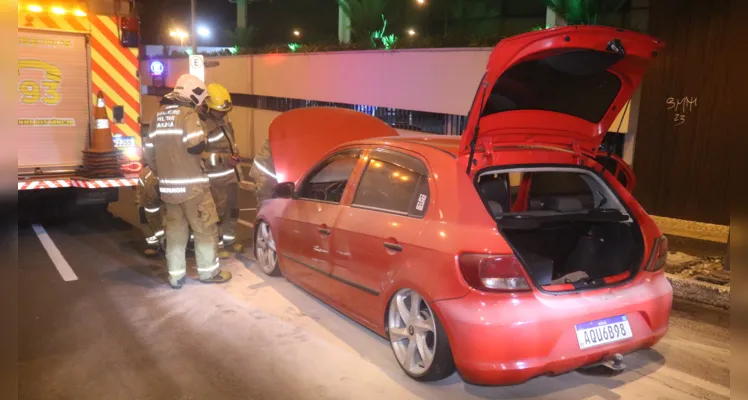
412,332
265,251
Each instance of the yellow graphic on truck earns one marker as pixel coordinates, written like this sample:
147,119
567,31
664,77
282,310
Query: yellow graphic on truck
46,90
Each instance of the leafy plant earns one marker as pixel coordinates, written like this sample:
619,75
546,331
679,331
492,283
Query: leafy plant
241,37
294,47
584,12
364,16
388,41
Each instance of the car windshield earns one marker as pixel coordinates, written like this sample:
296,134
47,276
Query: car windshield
575,83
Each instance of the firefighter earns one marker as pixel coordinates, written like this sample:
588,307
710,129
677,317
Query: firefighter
178,138
263,174
150,205
220,159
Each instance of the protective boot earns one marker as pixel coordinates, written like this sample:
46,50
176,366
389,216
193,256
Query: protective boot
221,277
223,253
177,284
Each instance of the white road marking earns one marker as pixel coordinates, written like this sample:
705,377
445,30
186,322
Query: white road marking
245,223
54,254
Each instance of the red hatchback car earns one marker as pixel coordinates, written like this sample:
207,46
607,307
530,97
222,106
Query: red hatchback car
513,251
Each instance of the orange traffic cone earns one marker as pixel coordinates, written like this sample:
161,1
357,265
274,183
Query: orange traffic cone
102,159
101,139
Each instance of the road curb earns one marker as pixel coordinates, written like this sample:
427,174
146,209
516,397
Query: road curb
700,292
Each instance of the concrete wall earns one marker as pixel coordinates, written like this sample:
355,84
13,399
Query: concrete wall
431,80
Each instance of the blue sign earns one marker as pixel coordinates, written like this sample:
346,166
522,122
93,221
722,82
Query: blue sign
157,68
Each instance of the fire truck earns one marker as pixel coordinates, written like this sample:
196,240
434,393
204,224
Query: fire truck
68,53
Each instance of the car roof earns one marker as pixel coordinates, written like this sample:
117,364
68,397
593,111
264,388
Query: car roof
443,143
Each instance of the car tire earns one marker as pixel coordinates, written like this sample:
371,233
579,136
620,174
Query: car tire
264,249
417,323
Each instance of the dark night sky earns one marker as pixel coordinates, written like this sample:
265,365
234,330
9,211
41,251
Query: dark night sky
274,20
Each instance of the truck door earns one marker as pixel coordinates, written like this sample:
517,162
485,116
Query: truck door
53,99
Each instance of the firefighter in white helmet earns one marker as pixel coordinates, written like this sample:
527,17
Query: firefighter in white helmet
178,139
220,159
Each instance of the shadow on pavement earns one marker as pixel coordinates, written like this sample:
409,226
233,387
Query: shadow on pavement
376,349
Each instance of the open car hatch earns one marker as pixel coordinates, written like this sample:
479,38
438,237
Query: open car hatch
300,138
560,87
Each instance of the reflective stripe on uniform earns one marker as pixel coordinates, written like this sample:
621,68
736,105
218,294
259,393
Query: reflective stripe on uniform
216,137
178,272
191,136
209,269
186,181
263,169
228,237
154,239
152,210
220,174
148,144
159,132
213,159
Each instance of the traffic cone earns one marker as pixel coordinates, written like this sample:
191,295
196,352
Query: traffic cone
102,159
101,139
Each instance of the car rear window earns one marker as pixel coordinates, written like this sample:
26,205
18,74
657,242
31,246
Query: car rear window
575,83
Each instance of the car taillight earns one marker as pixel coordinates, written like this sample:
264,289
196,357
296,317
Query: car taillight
659,255
493,273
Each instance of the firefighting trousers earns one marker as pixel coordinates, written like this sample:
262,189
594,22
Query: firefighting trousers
154,215
225,194
198,213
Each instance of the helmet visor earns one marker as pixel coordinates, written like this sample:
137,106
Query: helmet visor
225,106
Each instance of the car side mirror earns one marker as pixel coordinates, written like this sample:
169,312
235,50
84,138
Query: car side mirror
284,190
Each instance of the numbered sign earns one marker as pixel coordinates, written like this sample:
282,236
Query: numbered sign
197,66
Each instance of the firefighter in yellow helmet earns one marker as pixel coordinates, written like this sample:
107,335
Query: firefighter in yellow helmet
178,138
151,211
220,159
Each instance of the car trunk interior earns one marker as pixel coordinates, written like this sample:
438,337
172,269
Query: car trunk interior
566,225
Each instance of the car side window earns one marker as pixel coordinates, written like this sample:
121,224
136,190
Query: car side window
394,182
329,180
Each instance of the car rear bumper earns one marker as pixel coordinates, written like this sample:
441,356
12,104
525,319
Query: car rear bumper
502,339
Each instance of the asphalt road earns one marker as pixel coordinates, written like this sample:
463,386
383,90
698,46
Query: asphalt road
118,331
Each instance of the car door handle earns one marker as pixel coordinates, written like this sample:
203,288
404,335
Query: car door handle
324,230
393,246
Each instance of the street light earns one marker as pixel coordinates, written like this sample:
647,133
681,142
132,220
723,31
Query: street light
178,33
296,32
411,32
203,32
421,2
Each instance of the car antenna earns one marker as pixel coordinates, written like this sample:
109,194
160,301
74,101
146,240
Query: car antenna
474,139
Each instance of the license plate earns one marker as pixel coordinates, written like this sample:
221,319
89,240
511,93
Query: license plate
603,331
121,142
